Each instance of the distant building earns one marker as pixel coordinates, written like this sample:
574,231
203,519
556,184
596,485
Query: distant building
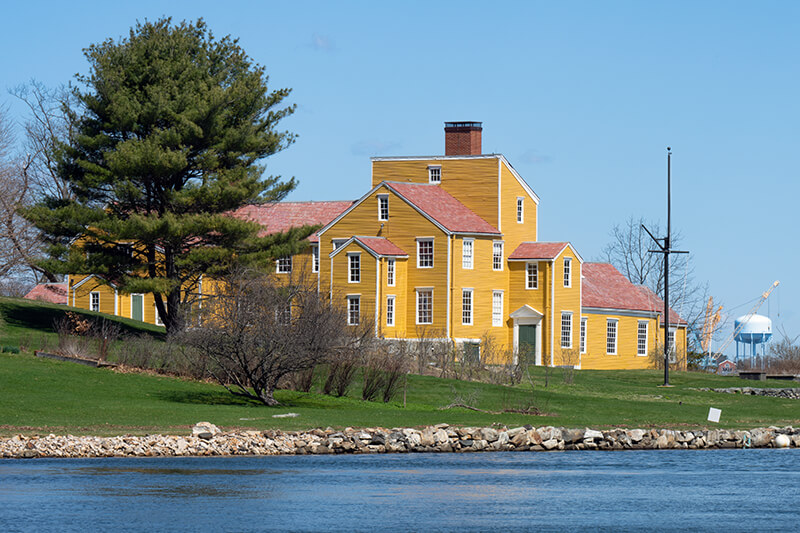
54,293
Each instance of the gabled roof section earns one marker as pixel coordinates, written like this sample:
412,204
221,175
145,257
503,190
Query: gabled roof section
521,181
277,217
93,276
541,251
605,287
54,293
376,246
442,207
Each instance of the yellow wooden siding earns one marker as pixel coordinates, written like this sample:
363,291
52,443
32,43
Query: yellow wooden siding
515,233
364,289
401,300
473,181
567,299
403,228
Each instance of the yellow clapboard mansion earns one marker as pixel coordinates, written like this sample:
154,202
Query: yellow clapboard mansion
447,247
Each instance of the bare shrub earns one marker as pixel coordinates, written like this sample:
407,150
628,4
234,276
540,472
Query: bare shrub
73,340
105,332
374,374
784,355
656,357
395,367
341,372
300,381
569,360
251,340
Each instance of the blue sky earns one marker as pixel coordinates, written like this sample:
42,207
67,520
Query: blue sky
581,97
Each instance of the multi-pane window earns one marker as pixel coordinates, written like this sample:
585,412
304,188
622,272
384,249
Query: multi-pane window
532,275
383,207
424,306
94,301
353,310
390,310
390,272
497,256
285,264
435,174
520,210
425,253
467,248
497,308
611,336
671,337
566,330
315,259
583,334
354,267
641,338
568,272
466,307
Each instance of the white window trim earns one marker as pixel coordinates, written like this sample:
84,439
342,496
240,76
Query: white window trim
391,268
336,243
568,316
281,270
615,321
471,293
535,286
390,316
418,291
468,265
520,209
583,333
420,240
315,258
383,198
353,298
350,257
430,174
498,323
91,303
567,272
638,336
495,243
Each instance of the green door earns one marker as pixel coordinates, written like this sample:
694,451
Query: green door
527,344
137,306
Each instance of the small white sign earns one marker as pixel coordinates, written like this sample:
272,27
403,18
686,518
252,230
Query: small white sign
713,414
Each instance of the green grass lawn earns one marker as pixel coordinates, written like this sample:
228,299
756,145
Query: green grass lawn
44,396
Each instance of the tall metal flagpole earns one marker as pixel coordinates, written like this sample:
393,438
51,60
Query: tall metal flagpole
666,249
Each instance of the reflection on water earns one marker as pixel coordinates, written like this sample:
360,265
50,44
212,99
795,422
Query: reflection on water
733,490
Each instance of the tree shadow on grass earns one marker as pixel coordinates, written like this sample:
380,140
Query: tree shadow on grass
206,398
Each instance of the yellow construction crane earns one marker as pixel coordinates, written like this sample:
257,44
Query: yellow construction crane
709,325
748,316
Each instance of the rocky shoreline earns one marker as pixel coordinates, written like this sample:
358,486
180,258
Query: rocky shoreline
208,440
791,393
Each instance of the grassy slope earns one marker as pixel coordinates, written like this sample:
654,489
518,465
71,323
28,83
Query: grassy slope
43,396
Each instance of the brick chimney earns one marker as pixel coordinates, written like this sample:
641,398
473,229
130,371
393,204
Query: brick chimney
462,138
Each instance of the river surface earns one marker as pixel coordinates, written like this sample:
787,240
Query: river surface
708,490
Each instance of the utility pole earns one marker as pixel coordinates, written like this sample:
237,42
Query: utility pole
664,247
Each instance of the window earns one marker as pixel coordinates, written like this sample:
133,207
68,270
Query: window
94,301
435,174
611,336
159,322
533,276
354,266
641,338
390,310
520,210
424,306
497,255
336,243
390,272
467,246
285,264
315,259
583,334
383,207
497,308
566,329
671,337
567,272
466,307
424,253
353,310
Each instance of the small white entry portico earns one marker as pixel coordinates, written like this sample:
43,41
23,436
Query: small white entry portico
528,327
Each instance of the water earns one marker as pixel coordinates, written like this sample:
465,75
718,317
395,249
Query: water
733,490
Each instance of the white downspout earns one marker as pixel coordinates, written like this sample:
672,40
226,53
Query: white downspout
552,309
449,288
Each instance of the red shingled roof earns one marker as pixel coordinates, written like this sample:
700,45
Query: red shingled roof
381,246
605,287
538,250
442,207
55,293
278,217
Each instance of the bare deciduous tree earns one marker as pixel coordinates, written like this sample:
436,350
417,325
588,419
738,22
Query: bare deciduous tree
253,340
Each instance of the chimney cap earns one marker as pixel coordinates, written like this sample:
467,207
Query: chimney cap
464,125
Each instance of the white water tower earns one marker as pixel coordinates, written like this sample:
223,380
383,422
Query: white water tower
755,330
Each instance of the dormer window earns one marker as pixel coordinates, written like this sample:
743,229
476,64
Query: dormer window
435,174
383,207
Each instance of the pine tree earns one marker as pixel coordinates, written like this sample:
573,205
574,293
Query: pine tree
170,127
